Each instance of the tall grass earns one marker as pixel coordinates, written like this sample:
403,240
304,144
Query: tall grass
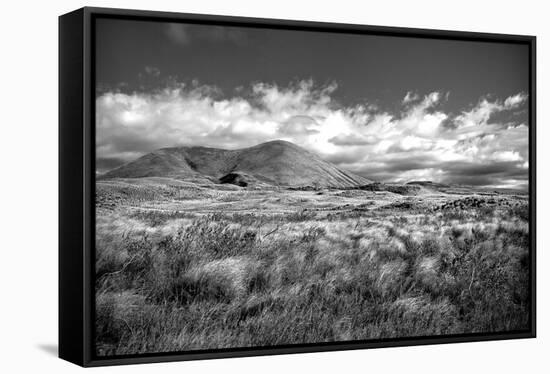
220,281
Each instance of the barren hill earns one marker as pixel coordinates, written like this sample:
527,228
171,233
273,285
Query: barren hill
276,163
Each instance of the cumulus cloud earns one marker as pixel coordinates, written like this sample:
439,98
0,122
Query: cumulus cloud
410,97
418,141
353,139
514,101
486,109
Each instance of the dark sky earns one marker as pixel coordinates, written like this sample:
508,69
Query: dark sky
460,85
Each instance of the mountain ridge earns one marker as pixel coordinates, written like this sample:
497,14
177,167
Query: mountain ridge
276,162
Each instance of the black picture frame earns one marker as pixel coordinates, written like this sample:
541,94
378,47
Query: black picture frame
77,189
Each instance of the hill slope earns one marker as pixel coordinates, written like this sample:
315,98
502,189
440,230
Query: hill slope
277,163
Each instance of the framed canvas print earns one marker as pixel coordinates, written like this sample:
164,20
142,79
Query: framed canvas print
235,186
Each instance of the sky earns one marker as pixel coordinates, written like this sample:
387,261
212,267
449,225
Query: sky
391,109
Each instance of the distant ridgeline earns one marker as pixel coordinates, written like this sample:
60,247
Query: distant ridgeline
276,163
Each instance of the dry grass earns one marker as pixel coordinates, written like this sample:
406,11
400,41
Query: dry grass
184,280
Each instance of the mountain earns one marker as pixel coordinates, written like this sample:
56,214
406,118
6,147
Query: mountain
276,163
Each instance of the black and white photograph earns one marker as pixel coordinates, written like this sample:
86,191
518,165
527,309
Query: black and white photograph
266,187
256,187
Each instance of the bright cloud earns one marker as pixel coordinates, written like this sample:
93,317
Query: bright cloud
410,97
515,101
420,141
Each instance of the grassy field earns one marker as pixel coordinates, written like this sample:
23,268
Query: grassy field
185,266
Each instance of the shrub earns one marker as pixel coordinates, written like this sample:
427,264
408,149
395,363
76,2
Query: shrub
521,211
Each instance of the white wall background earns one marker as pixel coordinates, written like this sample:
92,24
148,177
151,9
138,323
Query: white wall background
28,187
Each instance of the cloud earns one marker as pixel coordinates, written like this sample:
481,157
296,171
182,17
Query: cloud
299,125
353,139
185,34
516,100
485,110
420,140
410,97
152,71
